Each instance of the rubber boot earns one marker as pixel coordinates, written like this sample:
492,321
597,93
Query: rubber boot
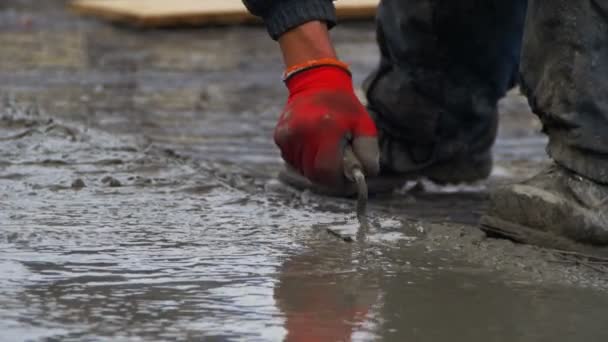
557,209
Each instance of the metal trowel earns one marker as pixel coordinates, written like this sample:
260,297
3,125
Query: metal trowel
353,171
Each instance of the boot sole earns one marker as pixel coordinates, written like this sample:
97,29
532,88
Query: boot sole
495,226
376,185
459,173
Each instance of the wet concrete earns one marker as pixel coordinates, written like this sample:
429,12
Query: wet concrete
137,202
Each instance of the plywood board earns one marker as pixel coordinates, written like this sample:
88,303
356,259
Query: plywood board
158,13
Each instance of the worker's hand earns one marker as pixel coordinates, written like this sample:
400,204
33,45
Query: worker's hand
321,117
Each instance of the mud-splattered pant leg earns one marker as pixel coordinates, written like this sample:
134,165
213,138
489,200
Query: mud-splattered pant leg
565,76
444,65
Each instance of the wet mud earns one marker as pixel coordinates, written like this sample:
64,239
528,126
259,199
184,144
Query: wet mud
138,201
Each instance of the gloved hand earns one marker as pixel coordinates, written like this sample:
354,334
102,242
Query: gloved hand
321,118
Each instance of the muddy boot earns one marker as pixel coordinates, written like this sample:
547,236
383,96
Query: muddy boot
444,66
376,185
567,88
557,208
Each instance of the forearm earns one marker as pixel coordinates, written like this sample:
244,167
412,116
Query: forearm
281,16
306,42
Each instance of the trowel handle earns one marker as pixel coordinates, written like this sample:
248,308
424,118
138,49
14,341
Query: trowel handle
351,163
353,170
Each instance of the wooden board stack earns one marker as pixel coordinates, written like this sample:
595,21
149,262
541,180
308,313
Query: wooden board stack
160,13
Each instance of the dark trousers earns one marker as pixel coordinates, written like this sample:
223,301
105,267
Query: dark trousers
445,64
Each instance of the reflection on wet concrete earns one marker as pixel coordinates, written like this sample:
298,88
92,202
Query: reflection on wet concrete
107,233
408,295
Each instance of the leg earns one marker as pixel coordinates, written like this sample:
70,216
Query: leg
444,65
565,76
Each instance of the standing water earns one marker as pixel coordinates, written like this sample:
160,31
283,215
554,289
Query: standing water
107,234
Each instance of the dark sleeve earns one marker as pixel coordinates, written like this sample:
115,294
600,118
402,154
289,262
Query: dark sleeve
283,15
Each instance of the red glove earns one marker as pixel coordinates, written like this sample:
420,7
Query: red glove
321,117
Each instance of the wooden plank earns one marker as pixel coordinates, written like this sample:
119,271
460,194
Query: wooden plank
159,13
